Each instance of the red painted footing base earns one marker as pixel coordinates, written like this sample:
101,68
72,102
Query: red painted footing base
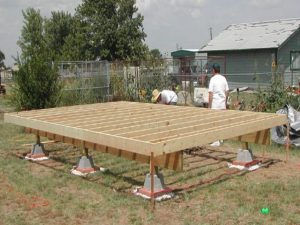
87,170
246,164
155,194
36,156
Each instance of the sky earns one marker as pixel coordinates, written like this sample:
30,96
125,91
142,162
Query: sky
169,24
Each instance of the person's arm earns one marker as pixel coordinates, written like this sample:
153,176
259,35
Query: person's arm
210,93
226,94
210,97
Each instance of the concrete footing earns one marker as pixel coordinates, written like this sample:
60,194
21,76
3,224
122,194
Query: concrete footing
160,188
245,158
37,152
86,165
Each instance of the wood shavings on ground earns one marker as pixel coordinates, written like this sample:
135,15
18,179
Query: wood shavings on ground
250,168
37,159
159,198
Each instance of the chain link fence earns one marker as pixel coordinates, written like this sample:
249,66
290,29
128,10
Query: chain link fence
6,76
101,81
84,81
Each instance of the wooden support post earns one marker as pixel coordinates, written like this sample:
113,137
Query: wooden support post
245,145
156,170
287,143
152,180
84,150
38,139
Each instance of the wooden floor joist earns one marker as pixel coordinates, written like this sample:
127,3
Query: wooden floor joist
143,128
173,161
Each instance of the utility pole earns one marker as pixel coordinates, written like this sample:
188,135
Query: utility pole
210,33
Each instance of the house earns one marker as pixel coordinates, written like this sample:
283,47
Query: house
253,52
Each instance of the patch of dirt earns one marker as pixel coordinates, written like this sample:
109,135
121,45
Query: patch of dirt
39,171
13,199
79,193
203,167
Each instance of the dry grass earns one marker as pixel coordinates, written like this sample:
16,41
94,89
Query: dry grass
207,192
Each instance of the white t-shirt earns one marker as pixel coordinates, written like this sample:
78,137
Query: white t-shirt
168,97
218,86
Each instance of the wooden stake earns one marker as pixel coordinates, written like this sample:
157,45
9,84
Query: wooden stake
152,180
287,144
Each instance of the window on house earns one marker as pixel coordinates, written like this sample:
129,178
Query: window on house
295,60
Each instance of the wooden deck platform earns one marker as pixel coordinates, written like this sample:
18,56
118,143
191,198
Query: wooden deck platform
138,130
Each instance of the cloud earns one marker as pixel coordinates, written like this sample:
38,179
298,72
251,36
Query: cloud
195,13
163,13
191,6
188,3
167,23
11,20
265,3
15,6
144,5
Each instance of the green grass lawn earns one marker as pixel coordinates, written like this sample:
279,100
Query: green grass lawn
46,192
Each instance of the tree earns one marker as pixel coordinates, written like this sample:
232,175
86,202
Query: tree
57,29
76,45
112,29
154,58
2,57
36,81
155,53
32,41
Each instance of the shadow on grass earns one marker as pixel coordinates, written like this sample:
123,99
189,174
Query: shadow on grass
122,175
219,179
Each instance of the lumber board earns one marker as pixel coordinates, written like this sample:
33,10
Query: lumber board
262,137
173,161
224,132
143,128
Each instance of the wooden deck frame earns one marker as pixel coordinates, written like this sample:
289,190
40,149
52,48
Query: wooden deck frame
136,130
144,128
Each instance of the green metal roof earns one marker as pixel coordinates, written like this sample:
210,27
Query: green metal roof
184,53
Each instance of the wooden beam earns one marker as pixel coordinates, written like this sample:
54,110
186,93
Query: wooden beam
186,124
173,161
188,141
260,137
209,123
245,145
131,145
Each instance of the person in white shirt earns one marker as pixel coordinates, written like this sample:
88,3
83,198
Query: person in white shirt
217,93
217,90
166,97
